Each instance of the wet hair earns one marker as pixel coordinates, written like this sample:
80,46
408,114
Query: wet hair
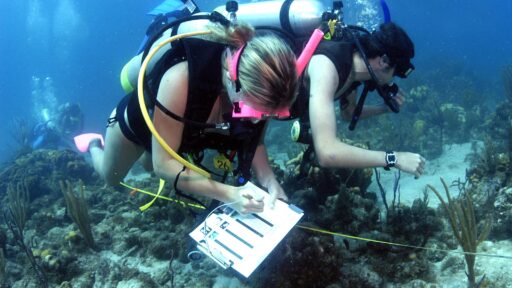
391,40
266,69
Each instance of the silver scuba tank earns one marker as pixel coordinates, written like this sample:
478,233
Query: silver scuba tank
299,17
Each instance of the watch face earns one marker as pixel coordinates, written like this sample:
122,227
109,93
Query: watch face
391,158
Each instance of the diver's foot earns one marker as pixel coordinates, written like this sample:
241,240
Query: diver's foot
195,256
85,141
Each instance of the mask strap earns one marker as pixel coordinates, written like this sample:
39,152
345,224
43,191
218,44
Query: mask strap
233,66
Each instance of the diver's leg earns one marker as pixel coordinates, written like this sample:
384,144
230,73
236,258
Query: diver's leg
117,157
146,161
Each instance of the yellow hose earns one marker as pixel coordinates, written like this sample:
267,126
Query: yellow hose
144,110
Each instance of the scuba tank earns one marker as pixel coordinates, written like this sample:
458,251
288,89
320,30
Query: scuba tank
295,19
299,17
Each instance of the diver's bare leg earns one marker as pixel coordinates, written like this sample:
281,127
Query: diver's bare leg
146,161
117,157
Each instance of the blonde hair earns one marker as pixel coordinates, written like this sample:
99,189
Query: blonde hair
266,68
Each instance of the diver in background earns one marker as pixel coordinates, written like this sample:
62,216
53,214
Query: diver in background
45,103
59,130
55,125
44,134
70,120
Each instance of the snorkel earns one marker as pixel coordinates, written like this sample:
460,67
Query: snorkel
386,92
388,95
385,11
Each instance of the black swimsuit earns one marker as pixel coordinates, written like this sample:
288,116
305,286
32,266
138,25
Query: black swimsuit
341,55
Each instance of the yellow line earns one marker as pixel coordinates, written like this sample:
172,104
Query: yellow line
318,230
398,244
163,197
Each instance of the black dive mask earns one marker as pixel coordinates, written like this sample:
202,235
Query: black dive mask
403,68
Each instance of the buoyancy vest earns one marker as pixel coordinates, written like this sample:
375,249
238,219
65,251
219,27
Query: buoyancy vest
341,55
204,87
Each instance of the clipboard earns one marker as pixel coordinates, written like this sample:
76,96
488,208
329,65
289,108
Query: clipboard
242,242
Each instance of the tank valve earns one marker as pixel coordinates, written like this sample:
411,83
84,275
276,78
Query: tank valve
301,132
232,7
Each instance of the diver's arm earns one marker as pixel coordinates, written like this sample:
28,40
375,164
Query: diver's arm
374,110
265,175
368,110
173,92
330,151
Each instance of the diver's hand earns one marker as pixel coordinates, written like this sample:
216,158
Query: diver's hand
400,97
276,192
247,199
411,163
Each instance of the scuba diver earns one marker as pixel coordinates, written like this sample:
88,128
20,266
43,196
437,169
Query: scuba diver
348,56
334,73
214,91
55,124
58,130
45,136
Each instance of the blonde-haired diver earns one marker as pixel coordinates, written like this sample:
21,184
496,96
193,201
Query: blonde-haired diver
204,92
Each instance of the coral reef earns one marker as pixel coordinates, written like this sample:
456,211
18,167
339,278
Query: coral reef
42,170
502,224
149,249
291,264
15,216
489,163
414,225
77,209
335,199
461,216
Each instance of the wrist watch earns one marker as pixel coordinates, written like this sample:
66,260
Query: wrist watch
390,160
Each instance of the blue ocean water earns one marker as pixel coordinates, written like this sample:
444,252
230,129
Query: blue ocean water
82,45
73,51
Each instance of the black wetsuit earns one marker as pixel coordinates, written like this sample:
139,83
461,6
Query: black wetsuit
341,55
204,87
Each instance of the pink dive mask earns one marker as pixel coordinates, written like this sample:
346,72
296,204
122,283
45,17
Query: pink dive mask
241,110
